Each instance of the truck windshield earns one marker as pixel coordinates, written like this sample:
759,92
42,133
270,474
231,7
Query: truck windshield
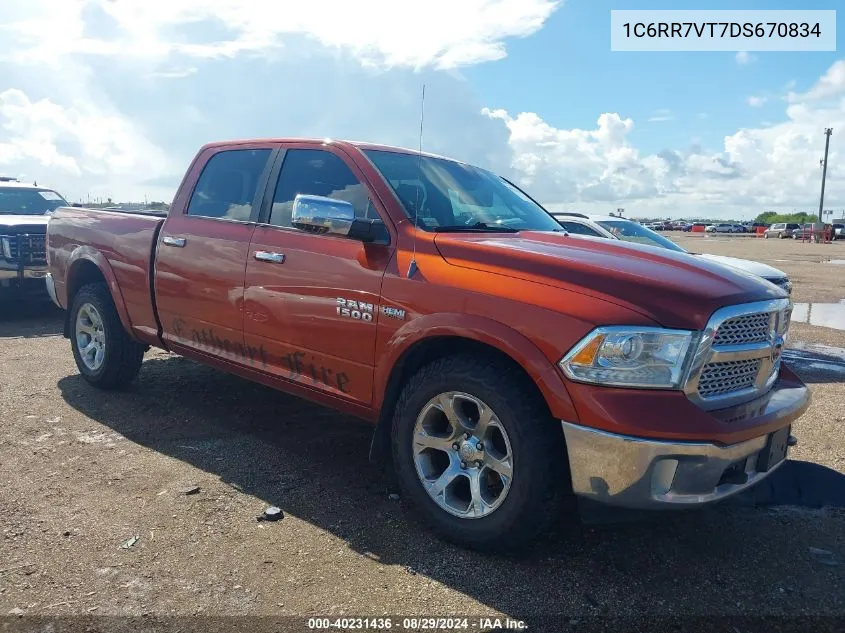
633,232
29,201
445,195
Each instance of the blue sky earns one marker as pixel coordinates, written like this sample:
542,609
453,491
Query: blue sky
567,72
112,99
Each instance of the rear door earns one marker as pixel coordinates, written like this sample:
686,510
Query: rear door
202,251
311,300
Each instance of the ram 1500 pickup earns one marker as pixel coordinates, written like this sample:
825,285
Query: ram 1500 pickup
504,365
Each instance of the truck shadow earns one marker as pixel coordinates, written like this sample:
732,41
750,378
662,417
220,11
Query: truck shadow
312,463
30,319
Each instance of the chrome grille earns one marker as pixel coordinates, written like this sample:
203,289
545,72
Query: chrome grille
749,328
720,378
25,248
738,357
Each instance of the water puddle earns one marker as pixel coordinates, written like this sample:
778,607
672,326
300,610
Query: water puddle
837,262
830,315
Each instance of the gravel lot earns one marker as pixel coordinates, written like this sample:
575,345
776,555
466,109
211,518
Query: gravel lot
82,472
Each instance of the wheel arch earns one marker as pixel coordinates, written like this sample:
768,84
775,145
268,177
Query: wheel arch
90,266
449,335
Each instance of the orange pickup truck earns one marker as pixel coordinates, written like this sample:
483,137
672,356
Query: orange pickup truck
504,364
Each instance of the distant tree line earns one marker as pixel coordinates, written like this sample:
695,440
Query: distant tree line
770,217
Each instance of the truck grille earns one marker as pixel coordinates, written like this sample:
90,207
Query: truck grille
739,356
749,328
25,248
720,378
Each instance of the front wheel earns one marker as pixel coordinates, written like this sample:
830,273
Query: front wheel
104,353
478,454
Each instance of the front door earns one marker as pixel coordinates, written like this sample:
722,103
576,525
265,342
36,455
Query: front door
311,301
202,251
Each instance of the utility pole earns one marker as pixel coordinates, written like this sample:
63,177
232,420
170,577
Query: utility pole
827,132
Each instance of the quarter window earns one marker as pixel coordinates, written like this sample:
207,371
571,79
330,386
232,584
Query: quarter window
228,183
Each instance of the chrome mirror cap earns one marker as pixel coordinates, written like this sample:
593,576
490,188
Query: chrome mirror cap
318,214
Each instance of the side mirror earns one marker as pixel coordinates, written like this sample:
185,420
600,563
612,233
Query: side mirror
318,214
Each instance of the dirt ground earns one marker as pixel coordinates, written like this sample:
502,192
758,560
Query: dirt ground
82,472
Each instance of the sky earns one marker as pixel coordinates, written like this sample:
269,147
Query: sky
112,98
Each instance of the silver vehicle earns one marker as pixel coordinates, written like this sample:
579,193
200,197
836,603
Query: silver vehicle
781,230
24,211
612,227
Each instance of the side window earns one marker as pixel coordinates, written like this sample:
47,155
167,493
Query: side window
576,228
228,183
319,173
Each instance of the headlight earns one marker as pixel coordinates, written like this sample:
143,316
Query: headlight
630,357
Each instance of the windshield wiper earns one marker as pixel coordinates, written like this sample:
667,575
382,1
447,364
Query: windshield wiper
478,227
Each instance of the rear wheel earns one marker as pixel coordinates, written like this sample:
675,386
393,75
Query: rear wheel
104,353
478,454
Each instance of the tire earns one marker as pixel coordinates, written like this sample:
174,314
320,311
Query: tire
780,236
521,432
114,359
765,236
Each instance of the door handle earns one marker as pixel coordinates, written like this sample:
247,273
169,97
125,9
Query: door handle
178,242
273,258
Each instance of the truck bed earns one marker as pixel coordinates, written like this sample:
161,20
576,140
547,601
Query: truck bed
122,245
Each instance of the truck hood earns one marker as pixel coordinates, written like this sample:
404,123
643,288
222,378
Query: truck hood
677,290
755,268
11,220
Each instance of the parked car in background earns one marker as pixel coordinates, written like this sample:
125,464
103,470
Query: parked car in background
695,225
739,228
24,211
618,228
837,231
505,365
722,227
781,230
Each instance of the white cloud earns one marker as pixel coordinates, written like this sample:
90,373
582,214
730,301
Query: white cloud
829,86
73,143
769,167
756,102
113,98
378,32
95,90
743,58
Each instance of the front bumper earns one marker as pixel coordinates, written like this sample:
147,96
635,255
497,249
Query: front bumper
19,282
644,473
20,274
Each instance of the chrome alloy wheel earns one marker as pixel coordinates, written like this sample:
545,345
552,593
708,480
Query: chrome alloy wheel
462,455
90,336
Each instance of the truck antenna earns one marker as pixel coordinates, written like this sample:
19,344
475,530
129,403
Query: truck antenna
412,268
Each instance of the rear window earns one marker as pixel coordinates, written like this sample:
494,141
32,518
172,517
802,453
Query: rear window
29,201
